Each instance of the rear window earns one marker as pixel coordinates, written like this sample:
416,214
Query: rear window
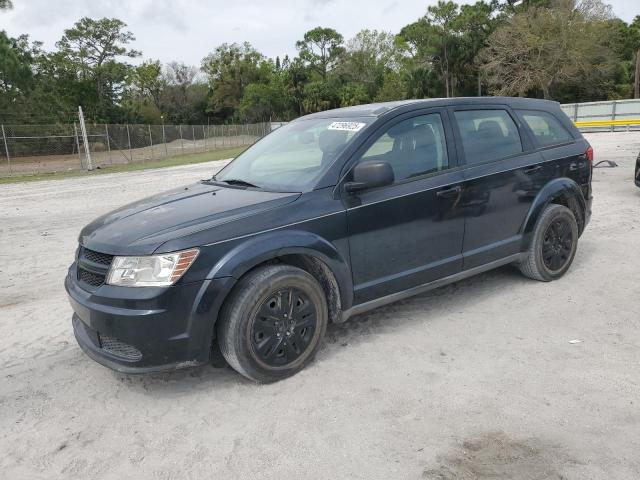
487,135
546,128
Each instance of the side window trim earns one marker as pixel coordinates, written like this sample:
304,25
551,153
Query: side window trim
536,145
525,137
449,137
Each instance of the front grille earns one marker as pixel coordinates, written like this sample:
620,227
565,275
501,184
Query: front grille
121,349
96,257
93,267
90,278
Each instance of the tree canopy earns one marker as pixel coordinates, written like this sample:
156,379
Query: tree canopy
567,50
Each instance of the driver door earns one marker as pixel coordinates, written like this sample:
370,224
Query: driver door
411,232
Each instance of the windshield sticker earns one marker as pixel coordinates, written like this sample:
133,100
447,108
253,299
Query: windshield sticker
347,126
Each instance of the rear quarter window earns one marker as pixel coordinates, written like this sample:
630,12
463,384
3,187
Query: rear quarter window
546,128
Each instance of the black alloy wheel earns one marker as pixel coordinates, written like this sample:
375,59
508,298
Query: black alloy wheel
557,244
283,327
273,322
553,244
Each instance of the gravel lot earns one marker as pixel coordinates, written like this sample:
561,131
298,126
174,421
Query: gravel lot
475,380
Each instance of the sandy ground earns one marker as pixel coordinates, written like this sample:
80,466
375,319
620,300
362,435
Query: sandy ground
475,380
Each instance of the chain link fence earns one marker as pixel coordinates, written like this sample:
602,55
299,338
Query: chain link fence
36,149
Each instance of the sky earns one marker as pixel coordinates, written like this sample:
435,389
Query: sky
186,30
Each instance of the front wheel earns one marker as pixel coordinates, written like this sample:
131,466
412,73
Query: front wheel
273,323
553,246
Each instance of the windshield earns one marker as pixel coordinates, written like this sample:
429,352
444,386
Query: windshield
294,157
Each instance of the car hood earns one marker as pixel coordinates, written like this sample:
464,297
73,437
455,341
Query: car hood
141,227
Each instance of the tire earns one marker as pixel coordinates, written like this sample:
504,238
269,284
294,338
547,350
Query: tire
273,322
553,246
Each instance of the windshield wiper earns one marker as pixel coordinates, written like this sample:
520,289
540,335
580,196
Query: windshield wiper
238,182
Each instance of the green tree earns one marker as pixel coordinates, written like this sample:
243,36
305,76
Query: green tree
320,95
432,43
394,87
321,49
16,64
354,94
296,76
635,28
367,58
91,51
267,101
473,25
628,49
230,69
149,81
184,98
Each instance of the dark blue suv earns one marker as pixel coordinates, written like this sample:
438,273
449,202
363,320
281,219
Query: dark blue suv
329,216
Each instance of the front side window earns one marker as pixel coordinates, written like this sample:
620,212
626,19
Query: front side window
487,135
294,157
412,147
546,128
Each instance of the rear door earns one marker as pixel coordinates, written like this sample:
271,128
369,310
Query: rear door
409,233
502,175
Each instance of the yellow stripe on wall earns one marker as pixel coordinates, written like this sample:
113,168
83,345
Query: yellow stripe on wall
607,123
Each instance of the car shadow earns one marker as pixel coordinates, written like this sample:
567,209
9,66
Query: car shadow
462,295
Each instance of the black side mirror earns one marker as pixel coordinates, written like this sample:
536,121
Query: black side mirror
370,175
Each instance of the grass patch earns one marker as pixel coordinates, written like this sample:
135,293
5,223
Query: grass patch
131,167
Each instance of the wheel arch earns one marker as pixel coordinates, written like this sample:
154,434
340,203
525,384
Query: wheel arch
301,249
562,191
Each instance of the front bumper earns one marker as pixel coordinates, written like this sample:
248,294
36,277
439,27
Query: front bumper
139,330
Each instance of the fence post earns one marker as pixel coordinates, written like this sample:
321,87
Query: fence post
129,142
85,139
575,112
181,139
204,136
613,115
164,140
193,136
75,129
106,133
150,141
6,148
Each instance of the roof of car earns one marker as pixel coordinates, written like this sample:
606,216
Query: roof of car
378,109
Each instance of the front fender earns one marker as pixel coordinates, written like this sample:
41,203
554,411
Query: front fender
560,187
256,250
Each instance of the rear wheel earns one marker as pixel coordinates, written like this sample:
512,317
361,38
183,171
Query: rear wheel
273,323
554,245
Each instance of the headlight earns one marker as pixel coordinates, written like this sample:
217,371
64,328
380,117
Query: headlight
150,271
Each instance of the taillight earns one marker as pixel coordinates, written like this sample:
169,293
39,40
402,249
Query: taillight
589,154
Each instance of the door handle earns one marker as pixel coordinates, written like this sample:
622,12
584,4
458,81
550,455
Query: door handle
449,192
535,168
